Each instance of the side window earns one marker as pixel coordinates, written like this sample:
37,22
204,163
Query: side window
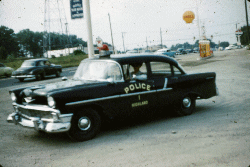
134,69
41,63
177,71
160,69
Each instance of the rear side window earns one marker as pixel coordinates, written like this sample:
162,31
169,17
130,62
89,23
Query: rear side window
160,69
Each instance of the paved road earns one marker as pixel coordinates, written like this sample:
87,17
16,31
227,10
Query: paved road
217,134
6,82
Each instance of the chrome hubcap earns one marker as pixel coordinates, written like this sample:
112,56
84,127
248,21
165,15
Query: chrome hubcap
186,102
84,123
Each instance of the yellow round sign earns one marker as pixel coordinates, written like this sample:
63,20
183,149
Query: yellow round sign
188,16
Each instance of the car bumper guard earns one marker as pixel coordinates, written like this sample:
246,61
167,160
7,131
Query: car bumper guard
59,122
23,76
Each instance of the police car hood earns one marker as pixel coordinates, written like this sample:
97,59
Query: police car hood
62,86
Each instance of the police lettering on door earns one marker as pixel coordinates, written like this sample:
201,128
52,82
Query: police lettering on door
137,86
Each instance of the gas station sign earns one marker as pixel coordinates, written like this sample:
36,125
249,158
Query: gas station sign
205,48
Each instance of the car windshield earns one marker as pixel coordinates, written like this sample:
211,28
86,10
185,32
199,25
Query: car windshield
28,64
98,70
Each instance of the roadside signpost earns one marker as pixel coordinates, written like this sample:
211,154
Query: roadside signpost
238,33
76,9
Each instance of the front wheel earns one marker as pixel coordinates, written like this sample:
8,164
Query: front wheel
58,73
186,106
85,125
38,77
21,79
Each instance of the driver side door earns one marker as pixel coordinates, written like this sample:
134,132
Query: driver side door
137,97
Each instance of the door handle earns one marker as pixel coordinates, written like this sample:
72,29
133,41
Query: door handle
175,78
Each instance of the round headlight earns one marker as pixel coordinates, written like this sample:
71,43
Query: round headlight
51,102
13,97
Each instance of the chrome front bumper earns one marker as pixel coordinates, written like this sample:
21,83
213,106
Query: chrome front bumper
57,123
23,76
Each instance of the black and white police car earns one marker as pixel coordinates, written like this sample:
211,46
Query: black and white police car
108,88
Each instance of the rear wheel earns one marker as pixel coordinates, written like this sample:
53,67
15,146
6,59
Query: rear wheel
85,125
186,106
7,75
21,79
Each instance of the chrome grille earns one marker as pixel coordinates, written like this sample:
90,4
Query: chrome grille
35,113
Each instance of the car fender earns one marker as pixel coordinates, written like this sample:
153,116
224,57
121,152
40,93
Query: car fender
37,71
100,109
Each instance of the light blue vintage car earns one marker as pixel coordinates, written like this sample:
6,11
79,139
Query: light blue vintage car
5,71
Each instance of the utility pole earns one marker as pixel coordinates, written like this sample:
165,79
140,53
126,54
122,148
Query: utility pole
123,41
247,22
54,21
111,34
161,37
89,29
198,20
147,42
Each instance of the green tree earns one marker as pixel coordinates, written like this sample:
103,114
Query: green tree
8,42
244,38
77,41
30,42
224,44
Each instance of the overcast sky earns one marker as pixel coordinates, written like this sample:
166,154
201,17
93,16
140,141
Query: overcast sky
137,19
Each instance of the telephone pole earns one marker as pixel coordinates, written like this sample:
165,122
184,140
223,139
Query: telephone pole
247,22
111,35
123,41
55,21
147,42
161,37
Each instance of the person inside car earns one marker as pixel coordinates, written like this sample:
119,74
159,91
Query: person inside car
137,74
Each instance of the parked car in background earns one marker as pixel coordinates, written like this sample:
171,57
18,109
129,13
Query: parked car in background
147,51
5,71
132,52
36,68
220,49
110,88
196,50
189,50
166,52
180,51
231,47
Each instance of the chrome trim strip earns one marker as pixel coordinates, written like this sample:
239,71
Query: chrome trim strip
138,93
166,83
210,78
110,97
92,100
166,89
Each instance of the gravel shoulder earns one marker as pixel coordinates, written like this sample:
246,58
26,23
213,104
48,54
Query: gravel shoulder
217,134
